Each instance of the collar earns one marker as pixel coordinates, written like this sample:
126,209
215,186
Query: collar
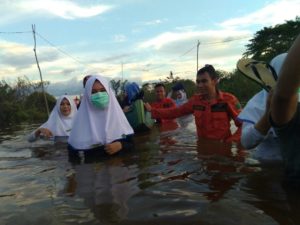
220,96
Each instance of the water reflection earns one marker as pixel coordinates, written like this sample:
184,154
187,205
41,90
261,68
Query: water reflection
105,188
170,178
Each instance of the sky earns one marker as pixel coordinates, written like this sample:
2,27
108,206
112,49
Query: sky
136,40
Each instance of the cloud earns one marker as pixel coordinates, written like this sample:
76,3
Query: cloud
116,58
18,60
66,9
271,14
120,38
21,56
209,36
221,46
71,87
153,22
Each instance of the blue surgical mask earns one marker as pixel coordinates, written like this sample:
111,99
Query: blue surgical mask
100,99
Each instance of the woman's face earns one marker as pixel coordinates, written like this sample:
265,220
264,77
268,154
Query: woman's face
97,87
178,95
65,107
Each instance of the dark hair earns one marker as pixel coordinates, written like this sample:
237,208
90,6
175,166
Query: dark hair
85,79
210,70
160,85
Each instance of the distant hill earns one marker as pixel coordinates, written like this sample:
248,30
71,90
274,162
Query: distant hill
71,87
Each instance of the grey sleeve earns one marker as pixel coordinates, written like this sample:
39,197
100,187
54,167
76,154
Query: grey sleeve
31,137
251,137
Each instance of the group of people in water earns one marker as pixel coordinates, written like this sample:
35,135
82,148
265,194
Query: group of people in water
99,126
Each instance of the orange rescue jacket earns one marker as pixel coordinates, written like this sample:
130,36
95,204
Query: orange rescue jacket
212,118
166,103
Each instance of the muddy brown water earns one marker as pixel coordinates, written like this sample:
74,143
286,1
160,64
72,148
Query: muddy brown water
170,178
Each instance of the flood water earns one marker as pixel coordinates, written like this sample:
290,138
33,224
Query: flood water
170,178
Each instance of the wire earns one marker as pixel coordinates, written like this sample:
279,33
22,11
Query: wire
15,32
207,43
146,69
225,41
60,50
67,54
188,51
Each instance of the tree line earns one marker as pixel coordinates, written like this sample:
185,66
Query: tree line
24,101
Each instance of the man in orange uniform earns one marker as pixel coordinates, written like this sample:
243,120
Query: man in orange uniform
212,108
162,102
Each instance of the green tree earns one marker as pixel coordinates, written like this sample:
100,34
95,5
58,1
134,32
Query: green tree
238,85
34,106
271,41
21,103
118,86
8,105
169,82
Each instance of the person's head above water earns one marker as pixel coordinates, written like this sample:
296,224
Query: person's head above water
131,91
160,91
207,80
65,107
100,119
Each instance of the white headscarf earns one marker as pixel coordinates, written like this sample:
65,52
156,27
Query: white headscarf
59,124
93,126
182,100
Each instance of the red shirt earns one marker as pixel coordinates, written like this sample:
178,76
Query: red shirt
212,118
166,103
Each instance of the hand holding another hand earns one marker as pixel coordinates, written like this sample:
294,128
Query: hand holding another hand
43,132
148,106
113,148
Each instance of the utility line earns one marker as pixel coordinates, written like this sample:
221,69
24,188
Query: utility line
225,41
69,55
207,43
60,50
15,32
188,51
147,69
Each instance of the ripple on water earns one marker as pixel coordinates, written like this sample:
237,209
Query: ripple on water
169,179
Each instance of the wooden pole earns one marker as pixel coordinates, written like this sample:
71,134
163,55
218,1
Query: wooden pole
197,55
37,63
122,73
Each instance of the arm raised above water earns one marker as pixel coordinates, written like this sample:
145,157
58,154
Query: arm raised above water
285,97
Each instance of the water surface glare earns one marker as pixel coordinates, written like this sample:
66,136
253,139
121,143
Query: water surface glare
170,178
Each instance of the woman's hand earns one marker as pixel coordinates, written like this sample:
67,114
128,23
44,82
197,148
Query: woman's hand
263,125
113,148
148,106
43,132
126,109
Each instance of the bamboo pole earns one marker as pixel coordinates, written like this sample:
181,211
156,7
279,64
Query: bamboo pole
198,44
37,63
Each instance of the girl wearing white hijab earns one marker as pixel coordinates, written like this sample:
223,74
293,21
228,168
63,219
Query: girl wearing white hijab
100,126
180,97
60,120
256,129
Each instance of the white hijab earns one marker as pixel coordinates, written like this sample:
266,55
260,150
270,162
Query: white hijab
256,106
57,123
95,127
182,100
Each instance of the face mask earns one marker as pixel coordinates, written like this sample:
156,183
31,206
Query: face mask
100,100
